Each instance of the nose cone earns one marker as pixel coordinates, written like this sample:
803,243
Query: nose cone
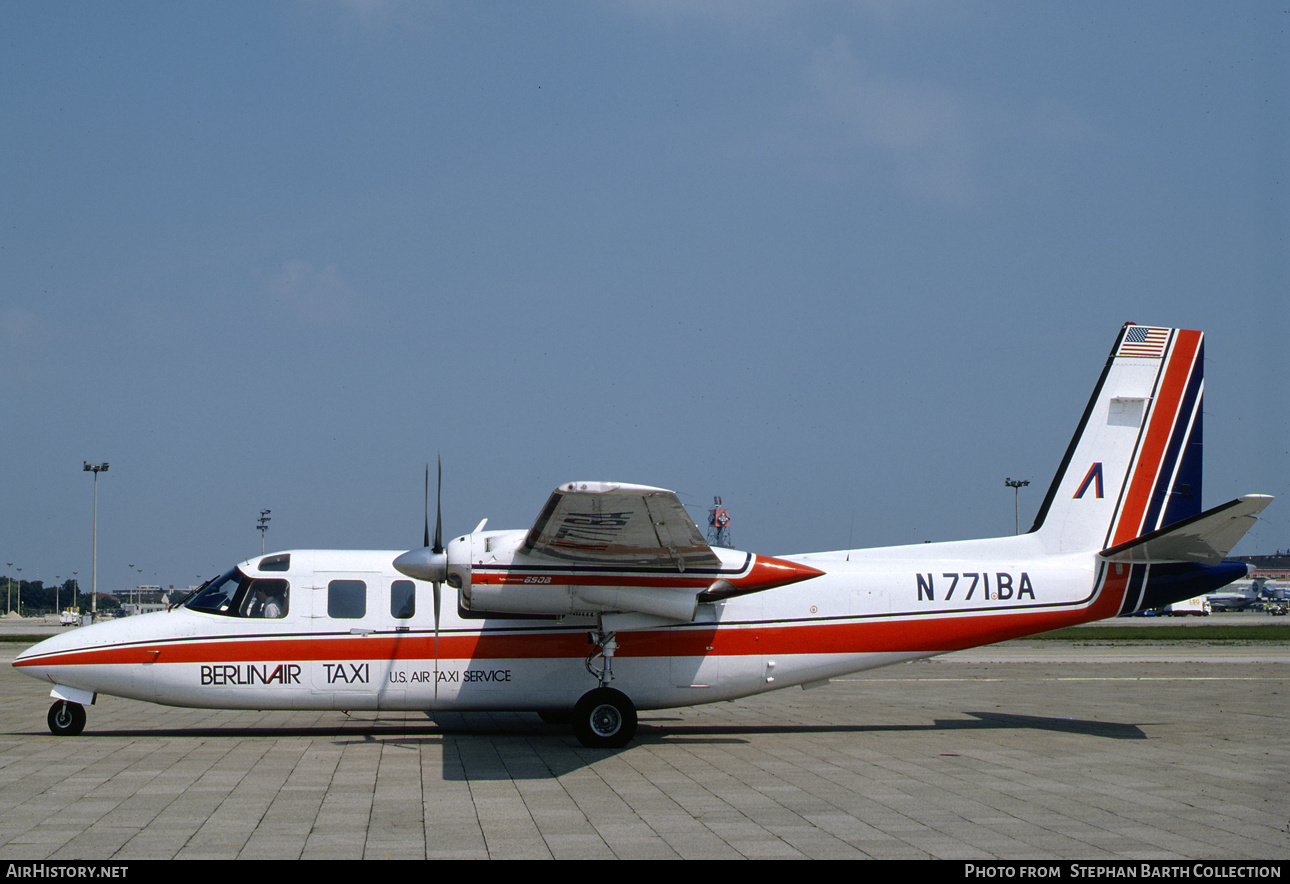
53,646
423,564
61,659
109,642
22,658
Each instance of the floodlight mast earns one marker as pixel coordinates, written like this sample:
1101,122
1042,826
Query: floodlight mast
1016,484
94,579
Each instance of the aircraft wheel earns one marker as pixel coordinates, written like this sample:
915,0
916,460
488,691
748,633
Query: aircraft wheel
604,719
66,719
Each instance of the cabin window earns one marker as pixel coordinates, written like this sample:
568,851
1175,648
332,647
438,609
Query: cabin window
403,599
235,595
346,599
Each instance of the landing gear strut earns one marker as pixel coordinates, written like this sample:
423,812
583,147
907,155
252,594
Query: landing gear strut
66,719
606,644
604,718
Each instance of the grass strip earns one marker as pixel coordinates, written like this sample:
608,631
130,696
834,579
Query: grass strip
1262,633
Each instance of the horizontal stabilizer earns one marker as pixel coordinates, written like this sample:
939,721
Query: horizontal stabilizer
1205,538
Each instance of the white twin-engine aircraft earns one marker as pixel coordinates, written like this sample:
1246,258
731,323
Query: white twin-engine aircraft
614,585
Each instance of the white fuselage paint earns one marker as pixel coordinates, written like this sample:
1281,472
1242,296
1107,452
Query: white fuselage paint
734,648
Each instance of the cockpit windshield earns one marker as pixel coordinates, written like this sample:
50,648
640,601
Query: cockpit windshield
233,594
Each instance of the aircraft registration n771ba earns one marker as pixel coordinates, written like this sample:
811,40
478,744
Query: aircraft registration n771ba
612,601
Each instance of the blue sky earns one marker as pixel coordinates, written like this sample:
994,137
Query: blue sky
848,265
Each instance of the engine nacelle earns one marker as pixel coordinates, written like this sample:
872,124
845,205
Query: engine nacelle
493,577
562,599
493,573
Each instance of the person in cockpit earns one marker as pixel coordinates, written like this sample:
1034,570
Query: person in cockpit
267,606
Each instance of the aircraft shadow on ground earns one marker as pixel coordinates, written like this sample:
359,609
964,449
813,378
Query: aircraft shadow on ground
980,721
472,749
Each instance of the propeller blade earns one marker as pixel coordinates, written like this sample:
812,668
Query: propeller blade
427,506
436,643
438,508
436,640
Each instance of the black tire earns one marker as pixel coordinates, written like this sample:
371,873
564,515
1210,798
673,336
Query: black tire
66,719
604,719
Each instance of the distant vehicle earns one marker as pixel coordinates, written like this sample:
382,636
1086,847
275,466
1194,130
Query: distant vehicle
1197,607
1276,609
69,617
614,583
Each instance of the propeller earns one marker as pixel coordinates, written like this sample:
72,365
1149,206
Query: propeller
429,563
437,550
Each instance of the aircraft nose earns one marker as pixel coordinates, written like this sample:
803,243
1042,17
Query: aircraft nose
29,661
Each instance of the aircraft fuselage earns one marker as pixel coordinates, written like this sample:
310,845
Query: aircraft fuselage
870,608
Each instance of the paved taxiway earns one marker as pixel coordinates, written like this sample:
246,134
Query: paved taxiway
1032,750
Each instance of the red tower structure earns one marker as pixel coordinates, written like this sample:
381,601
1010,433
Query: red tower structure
719,524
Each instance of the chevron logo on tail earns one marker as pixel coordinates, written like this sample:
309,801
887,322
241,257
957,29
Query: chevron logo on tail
1093,478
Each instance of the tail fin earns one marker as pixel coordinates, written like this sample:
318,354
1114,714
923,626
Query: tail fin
1134,464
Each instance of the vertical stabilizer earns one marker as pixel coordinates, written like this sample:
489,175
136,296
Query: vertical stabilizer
1134,464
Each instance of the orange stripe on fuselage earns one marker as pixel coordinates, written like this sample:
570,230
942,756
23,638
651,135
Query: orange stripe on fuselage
1169,396
925,633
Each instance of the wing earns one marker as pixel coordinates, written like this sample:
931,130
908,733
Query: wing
607,523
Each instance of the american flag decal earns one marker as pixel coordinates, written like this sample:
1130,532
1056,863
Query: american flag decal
1139,340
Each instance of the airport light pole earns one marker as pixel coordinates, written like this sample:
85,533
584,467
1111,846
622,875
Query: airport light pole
1016,484
8,596
94,579
262,527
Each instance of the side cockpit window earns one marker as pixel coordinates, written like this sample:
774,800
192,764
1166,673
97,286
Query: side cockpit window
267,599
235,595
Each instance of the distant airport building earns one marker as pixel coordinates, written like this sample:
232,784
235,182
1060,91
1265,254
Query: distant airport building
145,599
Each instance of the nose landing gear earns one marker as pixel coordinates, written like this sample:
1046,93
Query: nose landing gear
66,719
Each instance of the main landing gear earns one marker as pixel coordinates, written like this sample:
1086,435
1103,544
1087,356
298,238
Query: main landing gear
66,719
604,718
